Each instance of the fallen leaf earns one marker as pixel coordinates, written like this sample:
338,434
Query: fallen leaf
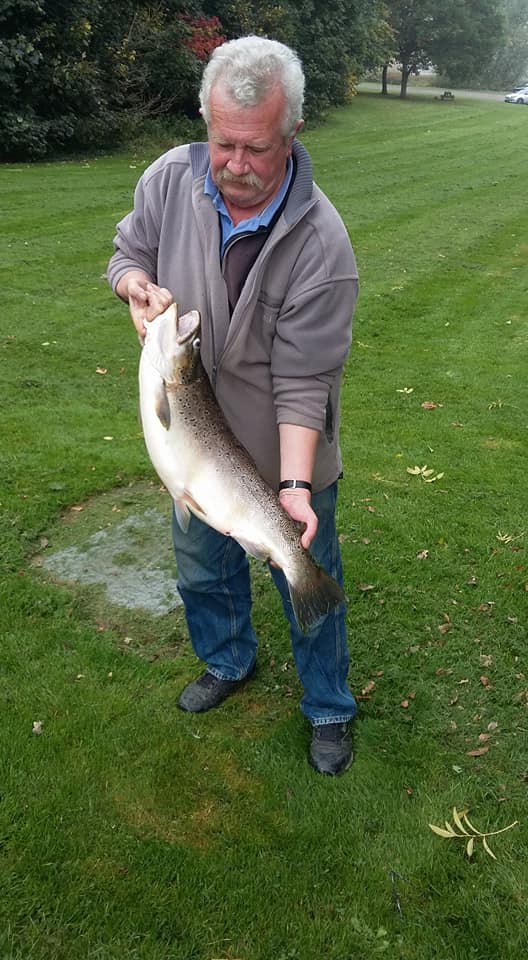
422,554
37,727
429,405
432,479
404,704
478,752
441,832
365,586
369,687
408,790
485,681
101,370
487,849
493,725
444,627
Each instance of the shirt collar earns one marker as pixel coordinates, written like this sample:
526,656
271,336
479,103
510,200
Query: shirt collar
262,219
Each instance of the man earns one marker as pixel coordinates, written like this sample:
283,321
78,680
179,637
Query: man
237,229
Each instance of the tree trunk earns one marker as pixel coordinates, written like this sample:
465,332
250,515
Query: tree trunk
406,72
384,79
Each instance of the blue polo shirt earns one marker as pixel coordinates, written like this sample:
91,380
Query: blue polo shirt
251,225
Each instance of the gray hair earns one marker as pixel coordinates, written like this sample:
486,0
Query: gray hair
248,69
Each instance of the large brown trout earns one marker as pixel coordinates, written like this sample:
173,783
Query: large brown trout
209,473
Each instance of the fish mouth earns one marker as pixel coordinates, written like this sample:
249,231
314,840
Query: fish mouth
188,327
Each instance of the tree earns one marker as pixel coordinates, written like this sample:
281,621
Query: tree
412,25
454,35
466,34
75,73
509,63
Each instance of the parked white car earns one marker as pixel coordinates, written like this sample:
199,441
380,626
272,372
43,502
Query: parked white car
517,96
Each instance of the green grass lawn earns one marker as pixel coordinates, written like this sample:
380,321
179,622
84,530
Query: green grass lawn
130,830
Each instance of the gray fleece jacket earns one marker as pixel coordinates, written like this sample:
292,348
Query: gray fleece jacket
278,358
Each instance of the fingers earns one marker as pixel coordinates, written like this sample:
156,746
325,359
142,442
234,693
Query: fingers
309,534
146,301
297,505
158,299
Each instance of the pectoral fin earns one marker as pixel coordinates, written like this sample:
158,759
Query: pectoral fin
183,509
162,406
183,515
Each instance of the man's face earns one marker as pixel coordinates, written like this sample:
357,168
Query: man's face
248,150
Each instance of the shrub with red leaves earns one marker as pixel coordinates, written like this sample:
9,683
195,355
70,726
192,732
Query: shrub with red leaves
204,36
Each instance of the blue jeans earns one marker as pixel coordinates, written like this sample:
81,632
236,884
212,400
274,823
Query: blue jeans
214,582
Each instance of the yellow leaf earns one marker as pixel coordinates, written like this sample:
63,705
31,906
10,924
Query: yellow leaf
458,823
441,832
469,846
487,849
470,825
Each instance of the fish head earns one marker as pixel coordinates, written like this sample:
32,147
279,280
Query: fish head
172,344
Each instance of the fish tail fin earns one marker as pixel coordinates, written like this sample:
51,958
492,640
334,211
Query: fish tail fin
313,594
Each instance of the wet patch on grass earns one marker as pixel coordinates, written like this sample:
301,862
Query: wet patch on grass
119,540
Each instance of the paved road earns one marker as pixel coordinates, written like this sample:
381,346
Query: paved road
367,86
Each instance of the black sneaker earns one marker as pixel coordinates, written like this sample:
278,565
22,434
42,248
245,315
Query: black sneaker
207,692
331,748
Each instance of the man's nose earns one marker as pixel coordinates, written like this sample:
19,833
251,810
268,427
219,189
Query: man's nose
238,163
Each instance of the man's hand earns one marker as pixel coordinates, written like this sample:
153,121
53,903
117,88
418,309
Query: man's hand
297,504
145,299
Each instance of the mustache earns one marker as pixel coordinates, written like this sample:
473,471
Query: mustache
248,179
